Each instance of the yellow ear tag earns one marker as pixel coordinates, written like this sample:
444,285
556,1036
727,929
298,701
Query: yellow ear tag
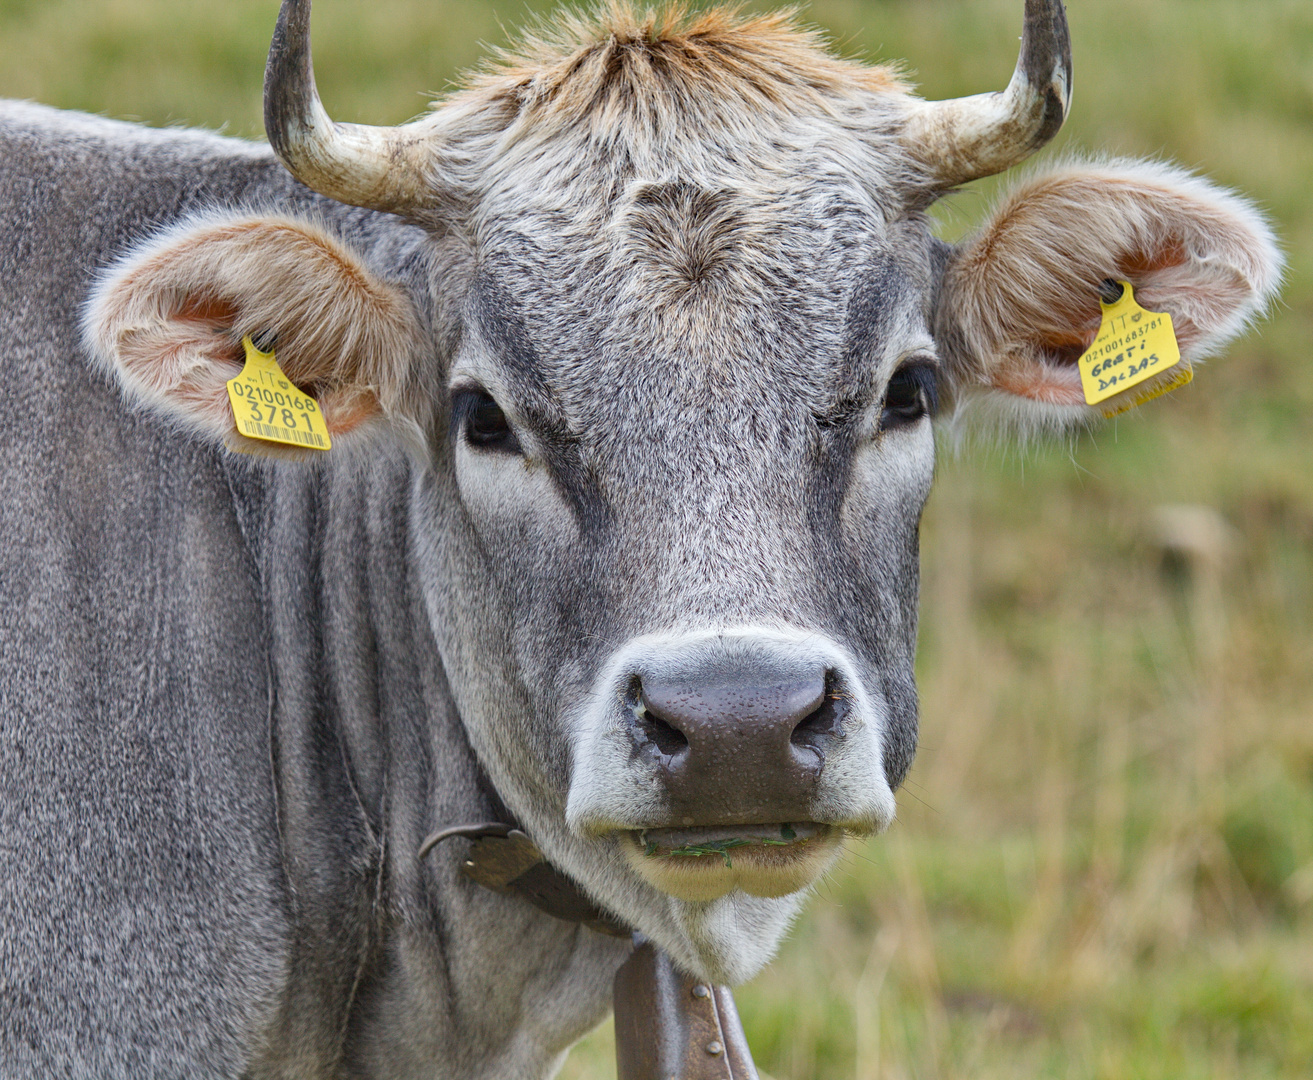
1132,345
267,405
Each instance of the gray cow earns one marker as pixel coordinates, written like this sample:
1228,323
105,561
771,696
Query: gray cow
628,351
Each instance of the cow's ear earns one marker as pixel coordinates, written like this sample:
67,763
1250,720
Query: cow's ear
168,321
1019,300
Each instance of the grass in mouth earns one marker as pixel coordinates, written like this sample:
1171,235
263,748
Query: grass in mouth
721,847
712,847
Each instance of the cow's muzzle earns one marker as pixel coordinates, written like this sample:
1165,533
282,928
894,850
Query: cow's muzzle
729,760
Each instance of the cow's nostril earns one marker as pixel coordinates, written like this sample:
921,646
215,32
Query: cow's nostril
822,725
667,738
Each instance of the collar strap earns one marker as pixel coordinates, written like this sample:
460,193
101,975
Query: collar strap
504,859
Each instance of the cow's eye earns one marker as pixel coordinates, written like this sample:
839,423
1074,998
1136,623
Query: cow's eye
911,394
483,423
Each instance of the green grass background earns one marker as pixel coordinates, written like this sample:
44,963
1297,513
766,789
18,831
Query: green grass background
1103,865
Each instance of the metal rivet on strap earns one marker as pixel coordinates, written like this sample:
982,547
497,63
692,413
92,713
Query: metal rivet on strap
701,991
714,1048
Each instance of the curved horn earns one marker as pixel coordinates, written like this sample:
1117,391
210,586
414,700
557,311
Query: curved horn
966,138
376,167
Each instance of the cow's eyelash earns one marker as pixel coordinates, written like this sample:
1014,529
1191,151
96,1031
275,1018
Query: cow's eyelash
919,374
480,421
911,393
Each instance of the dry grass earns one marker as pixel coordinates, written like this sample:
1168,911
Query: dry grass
1104,862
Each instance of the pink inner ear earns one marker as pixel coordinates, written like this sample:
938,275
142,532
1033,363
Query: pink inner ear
199,327
1041,382
1138,265
1051,376
208,309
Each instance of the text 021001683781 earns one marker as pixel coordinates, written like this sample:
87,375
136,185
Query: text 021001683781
1132,345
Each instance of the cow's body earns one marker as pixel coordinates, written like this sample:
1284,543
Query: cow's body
194,852
618,536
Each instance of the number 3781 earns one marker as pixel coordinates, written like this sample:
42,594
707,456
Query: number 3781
277,415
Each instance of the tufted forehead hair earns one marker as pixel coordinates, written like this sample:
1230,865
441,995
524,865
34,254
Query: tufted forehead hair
621,65
622,94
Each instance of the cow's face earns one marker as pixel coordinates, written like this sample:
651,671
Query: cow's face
682,339
692,449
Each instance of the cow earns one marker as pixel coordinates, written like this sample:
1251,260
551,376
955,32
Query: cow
630,351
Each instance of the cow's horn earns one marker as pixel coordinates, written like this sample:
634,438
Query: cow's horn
965,138
376,167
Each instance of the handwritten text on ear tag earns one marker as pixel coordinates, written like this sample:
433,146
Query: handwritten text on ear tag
267,405
1132,345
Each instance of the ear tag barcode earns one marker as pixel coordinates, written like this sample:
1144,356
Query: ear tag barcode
1132,345
267,405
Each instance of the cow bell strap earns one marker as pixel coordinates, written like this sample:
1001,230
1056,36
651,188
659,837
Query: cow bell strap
504,859
668,1026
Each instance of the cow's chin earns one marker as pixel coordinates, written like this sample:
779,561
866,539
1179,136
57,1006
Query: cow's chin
702,864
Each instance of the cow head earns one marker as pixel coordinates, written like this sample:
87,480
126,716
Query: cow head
668,359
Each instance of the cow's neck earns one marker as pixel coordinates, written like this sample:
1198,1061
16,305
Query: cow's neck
387,959
666,1023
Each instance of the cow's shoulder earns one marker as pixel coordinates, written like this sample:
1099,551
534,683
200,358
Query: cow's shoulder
137,814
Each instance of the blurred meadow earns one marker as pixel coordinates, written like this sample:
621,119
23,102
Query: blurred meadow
1103,866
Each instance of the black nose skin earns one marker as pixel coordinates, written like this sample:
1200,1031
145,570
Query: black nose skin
737,748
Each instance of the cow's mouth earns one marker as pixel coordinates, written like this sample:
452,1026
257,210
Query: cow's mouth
703,863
